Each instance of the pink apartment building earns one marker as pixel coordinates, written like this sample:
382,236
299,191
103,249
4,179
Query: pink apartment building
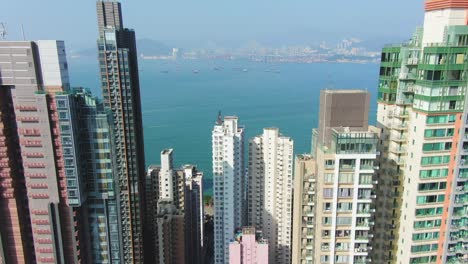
249,247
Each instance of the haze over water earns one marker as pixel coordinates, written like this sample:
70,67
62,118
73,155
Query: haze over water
181,100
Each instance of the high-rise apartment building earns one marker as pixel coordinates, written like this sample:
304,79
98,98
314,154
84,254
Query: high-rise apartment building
90,129
194,212
249,247
42,193
270,191
422,113
304,215
174,212
170,226
228,182
345,149
121,92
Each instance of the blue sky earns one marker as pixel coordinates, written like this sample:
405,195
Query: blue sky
192,23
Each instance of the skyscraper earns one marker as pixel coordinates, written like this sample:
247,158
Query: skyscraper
249,247
270,191
345,149
41,195
422,113
91,130
121,91
229,183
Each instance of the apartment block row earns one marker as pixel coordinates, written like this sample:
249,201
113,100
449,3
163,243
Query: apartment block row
73,185
395,192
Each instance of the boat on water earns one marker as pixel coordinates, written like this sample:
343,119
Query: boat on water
195,71
245,70
165,71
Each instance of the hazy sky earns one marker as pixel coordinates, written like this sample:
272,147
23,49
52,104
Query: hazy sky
227,23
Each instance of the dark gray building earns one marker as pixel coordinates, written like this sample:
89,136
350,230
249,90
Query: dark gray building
121,92
342,108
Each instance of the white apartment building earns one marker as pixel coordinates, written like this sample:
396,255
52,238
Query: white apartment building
270,191
228,184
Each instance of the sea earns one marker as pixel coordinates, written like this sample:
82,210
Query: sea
181,100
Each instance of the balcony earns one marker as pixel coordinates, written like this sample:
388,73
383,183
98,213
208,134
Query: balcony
36,175
364,212
30,132
402,114
362,237
399,126
361,250
31,143
412,61
28,119
398,150
461,189
40,196
26,108
408,76
35,165
34,155
400,161
362,224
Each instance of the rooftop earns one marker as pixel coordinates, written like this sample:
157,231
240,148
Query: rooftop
345,91
166,151
304,157
432,5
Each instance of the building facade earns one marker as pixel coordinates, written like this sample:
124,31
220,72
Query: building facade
92,132
249,247
270,191
228,182
194,213
171,230
43,216
345,161
121,91
304,215
422,116
175,198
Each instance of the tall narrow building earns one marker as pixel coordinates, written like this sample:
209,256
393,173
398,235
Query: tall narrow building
228,182
270,191
170,226
304,216
92,134
345,149
174,212
121,92
194,213
42,201
422,113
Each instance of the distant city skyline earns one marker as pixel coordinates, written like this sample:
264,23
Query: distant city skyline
219,24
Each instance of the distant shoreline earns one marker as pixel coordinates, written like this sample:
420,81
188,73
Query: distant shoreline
279,61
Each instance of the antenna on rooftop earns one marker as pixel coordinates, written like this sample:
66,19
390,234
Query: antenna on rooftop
22,32
220,118
3,31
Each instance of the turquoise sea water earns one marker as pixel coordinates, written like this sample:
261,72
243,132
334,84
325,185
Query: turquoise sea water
181,99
